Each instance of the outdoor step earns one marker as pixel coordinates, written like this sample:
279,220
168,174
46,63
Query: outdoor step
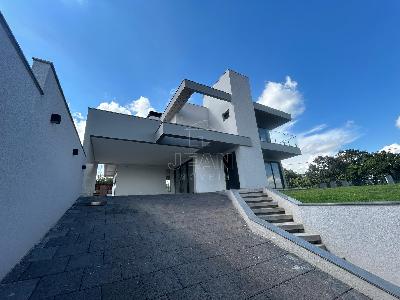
254,195
321,246
251,191
255,200
271,211
312,238
263,204
280,218
291,227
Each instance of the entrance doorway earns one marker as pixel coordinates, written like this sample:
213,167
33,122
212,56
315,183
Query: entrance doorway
231,171
184,178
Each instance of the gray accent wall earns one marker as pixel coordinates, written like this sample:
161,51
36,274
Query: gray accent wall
40,176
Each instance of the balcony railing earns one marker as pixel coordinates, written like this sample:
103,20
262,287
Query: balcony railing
277,137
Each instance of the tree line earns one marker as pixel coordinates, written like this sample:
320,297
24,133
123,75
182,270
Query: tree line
354,166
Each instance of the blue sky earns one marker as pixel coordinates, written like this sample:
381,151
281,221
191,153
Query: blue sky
334,65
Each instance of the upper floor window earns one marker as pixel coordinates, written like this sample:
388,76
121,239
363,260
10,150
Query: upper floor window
264,135
225,115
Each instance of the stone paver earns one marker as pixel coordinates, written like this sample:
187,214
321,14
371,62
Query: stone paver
163,247
18,290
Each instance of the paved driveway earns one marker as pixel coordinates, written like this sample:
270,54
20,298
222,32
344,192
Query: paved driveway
163,247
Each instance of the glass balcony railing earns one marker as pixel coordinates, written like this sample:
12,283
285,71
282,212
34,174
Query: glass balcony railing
277,137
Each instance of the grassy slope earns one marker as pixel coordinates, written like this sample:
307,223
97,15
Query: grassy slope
347,194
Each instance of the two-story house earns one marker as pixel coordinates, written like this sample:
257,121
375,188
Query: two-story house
226,143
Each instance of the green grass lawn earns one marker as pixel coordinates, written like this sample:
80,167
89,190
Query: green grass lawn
347,194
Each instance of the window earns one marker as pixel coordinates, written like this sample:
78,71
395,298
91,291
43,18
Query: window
264,135
274,175
168,182
225,115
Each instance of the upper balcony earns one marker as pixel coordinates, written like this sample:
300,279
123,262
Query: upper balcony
268,117
277,145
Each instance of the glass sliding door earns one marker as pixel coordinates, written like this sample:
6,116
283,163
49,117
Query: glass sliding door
183,178
274,175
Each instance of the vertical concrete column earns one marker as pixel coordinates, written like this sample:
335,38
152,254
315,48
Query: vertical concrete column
89,179
250,161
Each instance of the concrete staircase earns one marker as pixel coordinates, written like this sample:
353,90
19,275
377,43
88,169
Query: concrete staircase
267,209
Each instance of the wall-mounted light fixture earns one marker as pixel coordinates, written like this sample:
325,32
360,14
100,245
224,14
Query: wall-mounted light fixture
55,119
83,167
75,151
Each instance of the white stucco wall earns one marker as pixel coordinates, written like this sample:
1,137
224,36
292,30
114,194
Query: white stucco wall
241,121
364,234
140,180
192,115
217,107
209,173
40,176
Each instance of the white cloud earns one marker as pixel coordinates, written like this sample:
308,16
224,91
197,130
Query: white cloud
139,107
398,122
320,141
393,148
283,96
114,107
80,124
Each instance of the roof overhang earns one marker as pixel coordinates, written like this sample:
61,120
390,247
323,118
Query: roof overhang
204,140
113,151
268,117
185,90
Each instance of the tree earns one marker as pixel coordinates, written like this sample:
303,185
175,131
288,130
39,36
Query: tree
295,180
359,167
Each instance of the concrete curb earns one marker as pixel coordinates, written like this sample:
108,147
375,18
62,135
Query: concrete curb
358,278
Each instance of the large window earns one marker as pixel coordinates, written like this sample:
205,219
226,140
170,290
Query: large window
274,175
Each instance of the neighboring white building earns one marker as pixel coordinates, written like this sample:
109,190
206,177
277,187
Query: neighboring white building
41,156
224,144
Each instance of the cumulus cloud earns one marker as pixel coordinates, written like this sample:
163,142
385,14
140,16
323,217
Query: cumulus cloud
283,96
114,107
321,141
393,148
139,107
80,124
398,122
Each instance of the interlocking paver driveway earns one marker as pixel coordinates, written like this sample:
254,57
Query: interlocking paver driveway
163,247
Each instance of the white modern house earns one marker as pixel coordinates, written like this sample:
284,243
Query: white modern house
226,143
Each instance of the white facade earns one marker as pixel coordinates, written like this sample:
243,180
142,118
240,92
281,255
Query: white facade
198,149
41,177
209,173
140,180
